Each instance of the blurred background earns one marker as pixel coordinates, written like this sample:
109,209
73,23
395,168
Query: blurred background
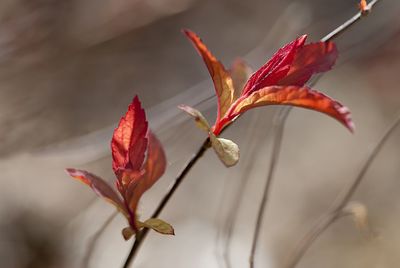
69,69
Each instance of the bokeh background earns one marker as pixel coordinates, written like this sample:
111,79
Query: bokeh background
68,70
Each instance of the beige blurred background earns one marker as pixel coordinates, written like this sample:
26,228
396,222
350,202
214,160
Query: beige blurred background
68,70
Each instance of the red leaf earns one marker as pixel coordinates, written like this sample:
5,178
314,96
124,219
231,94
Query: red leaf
156,161
154,168
310,59
100,187
129,141
275,69
296,96
222,80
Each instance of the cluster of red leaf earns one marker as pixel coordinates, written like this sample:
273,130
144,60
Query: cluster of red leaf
138,157
138,162
280,81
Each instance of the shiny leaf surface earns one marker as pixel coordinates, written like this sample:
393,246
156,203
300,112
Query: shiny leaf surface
222,80
296,96
129,140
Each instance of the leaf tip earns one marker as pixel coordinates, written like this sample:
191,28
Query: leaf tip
347,120
70,171
200,120
303,38
188,32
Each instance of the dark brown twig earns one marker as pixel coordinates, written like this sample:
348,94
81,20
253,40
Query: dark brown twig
279,132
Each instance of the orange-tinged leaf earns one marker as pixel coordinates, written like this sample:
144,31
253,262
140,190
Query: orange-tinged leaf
363,6
100,187
240,73
310,59
276,68
156,161
296,96
222,80
154,168
129,140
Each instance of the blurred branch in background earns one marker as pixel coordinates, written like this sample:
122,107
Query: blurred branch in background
338,208
279,127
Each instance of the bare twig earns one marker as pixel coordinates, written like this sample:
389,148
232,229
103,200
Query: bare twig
349,23
282,115
343,199
93,240
279,124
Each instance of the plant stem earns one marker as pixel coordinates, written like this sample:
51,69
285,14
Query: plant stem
252,137
141,236
282,116
345,26
279,122
336,210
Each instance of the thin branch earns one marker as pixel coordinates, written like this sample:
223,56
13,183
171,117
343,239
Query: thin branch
141,236
348,24
279,127
93,240
336,210
282,116
230,221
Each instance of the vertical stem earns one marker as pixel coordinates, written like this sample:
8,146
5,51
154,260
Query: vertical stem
280,120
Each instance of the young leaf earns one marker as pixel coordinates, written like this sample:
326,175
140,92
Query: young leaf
154,167
310,59
363,6
158,225
156,161
359,212
296,96
127,232
200,120
129,140
100,187
227,150
221,78
240,73
275,69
